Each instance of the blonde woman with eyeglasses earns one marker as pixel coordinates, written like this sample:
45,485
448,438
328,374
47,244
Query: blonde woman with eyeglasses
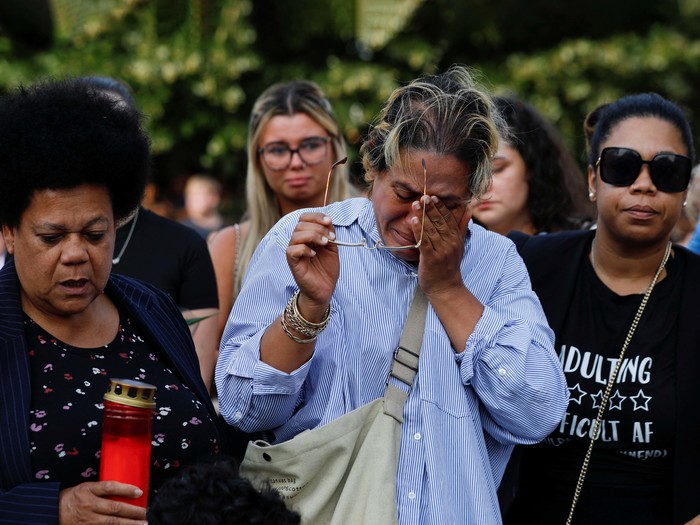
293,139
313,332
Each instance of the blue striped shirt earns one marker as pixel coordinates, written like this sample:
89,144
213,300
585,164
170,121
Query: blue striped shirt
466,410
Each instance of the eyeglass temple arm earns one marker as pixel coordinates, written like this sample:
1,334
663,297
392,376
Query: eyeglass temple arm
425,192
328,180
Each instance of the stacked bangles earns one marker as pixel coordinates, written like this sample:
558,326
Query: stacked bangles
292,318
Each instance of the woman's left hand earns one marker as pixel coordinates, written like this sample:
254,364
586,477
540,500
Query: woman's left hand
442,248
694,521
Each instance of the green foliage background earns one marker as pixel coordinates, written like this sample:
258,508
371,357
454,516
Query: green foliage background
196,66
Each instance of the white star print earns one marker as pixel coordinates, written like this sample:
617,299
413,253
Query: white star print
596,398
616,400
641,402
576,398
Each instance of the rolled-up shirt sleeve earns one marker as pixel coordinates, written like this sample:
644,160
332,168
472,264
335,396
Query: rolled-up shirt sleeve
510,362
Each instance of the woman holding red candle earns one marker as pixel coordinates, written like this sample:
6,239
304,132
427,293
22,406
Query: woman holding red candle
73,163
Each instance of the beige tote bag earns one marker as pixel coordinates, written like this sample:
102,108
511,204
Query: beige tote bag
345,471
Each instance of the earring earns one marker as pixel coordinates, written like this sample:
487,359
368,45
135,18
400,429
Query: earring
591,196
685,203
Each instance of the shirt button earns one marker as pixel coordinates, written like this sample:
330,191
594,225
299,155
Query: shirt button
238,414
411,495
501,372
414,274
417,436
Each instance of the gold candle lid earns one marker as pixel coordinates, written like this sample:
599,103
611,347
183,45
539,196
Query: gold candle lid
131,393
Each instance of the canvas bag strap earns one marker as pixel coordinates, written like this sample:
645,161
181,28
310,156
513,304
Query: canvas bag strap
405,364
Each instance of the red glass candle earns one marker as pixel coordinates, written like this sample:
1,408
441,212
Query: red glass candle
127,435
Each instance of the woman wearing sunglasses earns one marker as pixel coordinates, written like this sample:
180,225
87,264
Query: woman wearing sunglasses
623,304
314,330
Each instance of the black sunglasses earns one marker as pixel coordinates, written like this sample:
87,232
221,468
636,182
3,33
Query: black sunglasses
670,172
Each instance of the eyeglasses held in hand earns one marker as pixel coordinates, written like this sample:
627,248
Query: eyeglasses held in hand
670,172
379,245
278,155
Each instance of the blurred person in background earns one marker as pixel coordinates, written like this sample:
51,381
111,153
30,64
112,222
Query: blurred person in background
687,225
158,250
293,139
74,164
202,195
537,185
694,242
153,201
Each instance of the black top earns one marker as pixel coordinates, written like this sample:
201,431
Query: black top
170,256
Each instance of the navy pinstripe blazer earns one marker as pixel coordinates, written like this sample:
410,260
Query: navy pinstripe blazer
23,501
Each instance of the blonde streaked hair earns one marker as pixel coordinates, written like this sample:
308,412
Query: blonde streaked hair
447,115
287,99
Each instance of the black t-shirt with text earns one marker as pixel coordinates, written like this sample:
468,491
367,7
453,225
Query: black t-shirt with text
629,477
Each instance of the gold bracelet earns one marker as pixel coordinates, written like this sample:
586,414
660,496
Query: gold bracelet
293,337
292,318
297,314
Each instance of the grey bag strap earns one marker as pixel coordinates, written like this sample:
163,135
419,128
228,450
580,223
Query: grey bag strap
405,364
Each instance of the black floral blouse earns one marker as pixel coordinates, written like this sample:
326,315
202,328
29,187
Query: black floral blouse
68,385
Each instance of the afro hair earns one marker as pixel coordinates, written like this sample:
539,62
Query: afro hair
61,134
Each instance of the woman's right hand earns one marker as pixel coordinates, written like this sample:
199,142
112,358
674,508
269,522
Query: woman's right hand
88,503
314,263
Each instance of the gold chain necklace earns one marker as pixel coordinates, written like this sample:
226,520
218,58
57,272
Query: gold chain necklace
613,377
